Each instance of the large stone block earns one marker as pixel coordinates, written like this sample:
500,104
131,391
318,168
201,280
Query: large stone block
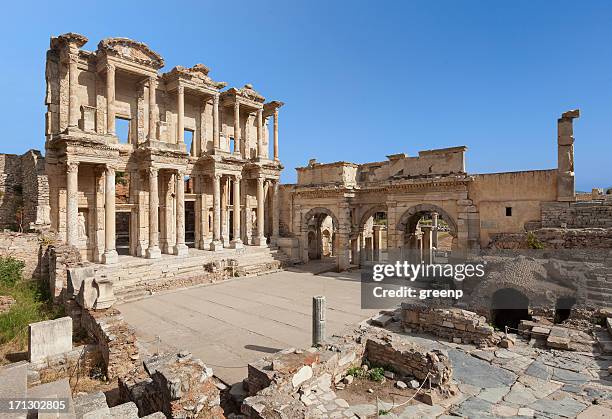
48,338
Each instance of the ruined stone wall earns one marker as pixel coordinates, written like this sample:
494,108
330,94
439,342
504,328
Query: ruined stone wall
279,385
456,325
116,340
10,190
31,248
522,192
556,238
589,214
24,191
340,173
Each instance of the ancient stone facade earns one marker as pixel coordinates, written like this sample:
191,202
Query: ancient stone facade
179,124
432,186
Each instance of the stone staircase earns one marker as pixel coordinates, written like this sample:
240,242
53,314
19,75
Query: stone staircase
13,385
134,278
599,289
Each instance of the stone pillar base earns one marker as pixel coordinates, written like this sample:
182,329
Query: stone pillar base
153,253
274,241
205,244
180,250
141,250
236,244
110,257
260,242
215,246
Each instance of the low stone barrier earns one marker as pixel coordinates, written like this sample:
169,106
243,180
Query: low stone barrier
456,325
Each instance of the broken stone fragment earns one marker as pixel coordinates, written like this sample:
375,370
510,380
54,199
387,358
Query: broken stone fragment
401,385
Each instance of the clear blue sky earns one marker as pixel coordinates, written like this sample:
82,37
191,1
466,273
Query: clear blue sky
361,79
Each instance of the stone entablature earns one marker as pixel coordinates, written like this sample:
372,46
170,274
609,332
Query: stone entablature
179,126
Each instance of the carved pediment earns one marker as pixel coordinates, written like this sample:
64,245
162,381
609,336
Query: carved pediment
197,73
131,50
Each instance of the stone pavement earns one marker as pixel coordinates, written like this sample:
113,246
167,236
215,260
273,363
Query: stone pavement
232,323
526,381
523,381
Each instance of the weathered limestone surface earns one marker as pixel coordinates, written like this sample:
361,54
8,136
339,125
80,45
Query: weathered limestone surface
49,338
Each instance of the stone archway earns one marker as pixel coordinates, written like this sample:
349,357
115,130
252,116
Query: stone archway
315,244
418,245
373,236
411,216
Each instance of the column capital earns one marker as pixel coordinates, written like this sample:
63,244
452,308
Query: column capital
216,98
152,81
108,168
216,176
180,89
110,67
237,178
152,171
72,166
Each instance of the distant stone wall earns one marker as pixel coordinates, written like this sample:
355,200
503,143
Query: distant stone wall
10,189
556,238
587,214
460,326
24,192
29,248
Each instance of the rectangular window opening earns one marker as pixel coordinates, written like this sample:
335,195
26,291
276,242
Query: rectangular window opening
232,145
122,129
189,141
508,211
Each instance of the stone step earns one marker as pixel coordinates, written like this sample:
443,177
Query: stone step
14,384
91,405
60,390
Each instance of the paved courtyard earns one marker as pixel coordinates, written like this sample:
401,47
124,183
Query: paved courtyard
232,323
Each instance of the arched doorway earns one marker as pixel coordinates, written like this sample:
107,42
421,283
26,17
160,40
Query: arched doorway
319,228
508,307
425,230
374,235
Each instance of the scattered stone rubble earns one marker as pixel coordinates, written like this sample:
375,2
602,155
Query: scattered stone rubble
295,383
178,385
6,302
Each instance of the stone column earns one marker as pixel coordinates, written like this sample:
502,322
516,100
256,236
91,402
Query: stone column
434,229
260,239
152,104
203,215
237,141
276,134
224,217
153,251
260,150
73,86
236,242
180,249
566,190
72,203
216,244
275,213
110,254
110,99
180,123
216,121
376,236
427,244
